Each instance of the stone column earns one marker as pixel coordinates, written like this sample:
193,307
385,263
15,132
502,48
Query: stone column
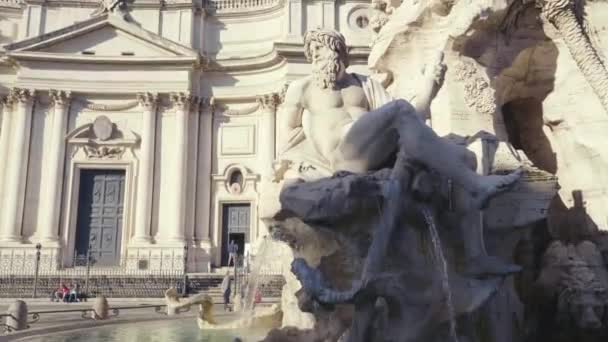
192,149
182,102
266,148
203,193
16,165
267,142
145,173
48,227
5,107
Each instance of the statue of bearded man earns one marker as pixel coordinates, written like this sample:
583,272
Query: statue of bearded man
341,121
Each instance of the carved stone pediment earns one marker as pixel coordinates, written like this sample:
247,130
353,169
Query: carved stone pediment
102,139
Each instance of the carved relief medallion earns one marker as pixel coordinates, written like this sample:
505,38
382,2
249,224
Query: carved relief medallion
103,128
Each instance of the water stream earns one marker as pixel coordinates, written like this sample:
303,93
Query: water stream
263,257
443,270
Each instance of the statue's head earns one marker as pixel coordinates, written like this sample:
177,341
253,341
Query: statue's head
327,51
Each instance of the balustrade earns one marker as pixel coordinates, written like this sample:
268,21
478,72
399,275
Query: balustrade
226,6
10,3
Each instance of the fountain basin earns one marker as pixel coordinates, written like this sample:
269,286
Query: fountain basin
182,330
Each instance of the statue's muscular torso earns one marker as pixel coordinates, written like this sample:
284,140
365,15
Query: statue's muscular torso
331,112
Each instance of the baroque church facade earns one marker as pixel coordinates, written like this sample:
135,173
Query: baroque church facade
130,130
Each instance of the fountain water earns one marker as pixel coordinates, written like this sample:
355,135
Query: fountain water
443,269
262,259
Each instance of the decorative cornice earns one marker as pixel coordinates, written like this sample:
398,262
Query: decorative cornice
182,4
280,52
188,61
356,54
147,100
60,97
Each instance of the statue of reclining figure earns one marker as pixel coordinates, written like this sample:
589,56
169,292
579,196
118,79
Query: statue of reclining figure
351,124
354,126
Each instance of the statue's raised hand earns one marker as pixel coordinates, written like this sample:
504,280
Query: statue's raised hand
435,69
434,75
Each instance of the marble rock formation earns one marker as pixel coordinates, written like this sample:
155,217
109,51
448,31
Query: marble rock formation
532,73
349,214
391,246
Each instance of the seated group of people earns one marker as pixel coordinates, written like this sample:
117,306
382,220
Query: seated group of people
66,294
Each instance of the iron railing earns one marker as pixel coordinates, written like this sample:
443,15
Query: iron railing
38,276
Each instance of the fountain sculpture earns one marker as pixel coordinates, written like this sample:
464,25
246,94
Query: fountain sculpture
398,234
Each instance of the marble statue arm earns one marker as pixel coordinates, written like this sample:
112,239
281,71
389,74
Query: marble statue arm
292,110
434,73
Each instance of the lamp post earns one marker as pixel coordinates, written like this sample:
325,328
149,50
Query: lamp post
38,247
185,274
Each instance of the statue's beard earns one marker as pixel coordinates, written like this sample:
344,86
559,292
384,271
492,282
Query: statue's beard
325,72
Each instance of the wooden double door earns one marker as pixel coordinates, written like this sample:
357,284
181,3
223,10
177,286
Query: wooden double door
100,216
236,223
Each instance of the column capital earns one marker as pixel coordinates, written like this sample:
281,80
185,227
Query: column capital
181,100
60,97
147,100
20,95
269,102
207,104
196,104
